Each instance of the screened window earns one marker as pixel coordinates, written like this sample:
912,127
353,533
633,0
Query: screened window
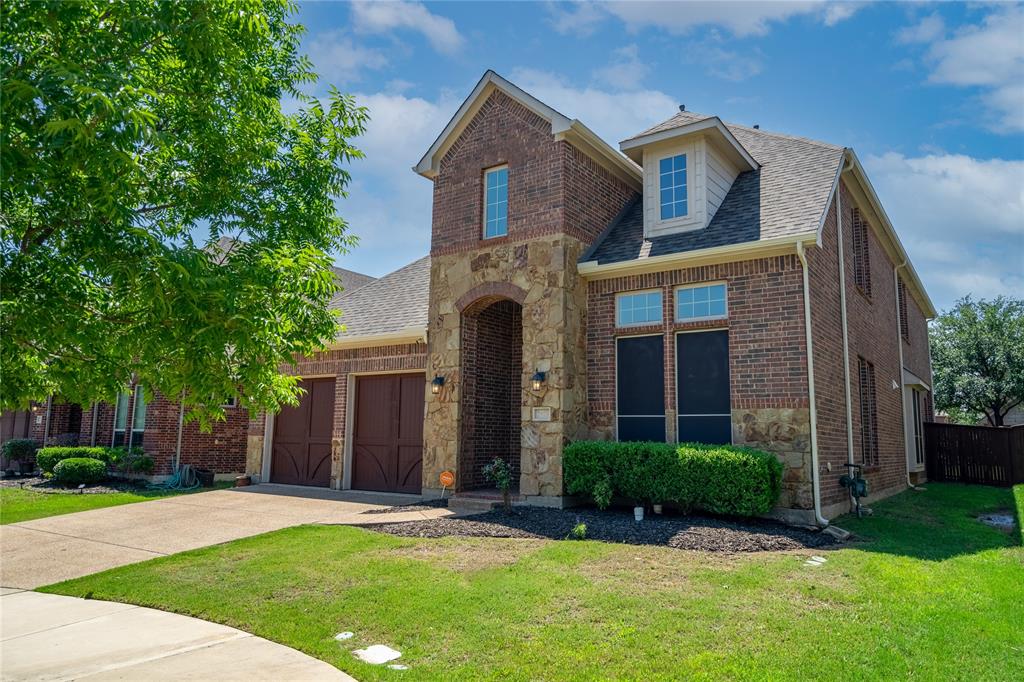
640,388
918,428
672,185
700,303
641,308
496,203
901,292
861,253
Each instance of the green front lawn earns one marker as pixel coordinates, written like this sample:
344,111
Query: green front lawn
929,593
17,504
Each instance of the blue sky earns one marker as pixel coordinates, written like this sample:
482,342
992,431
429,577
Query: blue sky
930,96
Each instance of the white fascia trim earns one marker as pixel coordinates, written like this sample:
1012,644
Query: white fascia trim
429,164
626,168
876,204
673,261
406,335
712,122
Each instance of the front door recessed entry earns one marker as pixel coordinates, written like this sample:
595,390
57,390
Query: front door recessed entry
301,453
640,388
387,438
702,381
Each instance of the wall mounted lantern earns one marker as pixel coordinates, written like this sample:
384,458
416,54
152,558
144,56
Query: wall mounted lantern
436,384
538,380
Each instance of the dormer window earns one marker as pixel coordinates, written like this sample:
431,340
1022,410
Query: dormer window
672,183
496,202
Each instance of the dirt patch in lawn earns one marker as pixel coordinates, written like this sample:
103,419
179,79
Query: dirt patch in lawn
469,554
703,533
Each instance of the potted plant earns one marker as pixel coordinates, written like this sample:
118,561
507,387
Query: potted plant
22,451
499,473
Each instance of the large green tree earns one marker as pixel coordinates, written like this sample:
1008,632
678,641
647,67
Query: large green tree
136,133
978,358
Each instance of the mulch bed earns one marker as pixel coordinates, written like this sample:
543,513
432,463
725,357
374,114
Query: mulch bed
704,533
425,505
44,485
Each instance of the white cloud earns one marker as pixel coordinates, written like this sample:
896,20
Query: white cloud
727,64
338,60
613,115
626,69
989,55
384,17
740,18
928,29
961,219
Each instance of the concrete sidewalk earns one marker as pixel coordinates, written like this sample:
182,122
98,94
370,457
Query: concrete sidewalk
56,548
51,637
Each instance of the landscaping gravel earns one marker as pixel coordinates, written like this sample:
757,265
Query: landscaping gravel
704,533
425,505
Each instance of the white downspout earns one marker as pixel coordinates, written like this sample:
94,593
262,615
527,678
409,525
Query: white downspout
815,475
181,426
846,330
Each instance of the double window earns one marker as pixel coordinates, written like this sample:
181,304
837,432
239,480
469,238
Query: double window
496,202
138,419
672,186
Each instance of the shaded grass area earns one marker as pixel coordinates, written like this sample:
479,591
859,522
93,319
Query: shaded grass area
927,592
17,504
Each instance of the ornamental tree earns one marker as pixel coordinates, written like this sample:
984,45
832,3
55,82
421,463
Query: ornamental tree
135,135
978,358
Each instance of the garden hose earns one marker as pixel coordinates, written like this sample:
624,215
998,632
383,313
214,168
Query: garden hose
183,478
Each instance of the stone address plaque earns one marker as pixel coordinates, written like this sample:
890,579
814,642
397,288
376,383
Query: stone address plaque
542,414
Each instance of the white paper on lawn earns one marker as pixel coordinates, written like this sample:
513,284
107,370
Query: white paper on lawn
344,635
376,654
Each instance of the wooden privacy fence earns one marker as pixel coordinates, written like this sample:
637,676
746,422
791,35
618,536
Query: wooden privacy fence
974,454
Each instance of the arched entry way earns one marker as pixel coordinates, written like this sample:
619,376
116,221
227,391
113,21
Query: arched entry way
492,389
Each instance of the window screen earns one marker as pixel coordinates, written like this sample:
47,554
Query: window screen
640,388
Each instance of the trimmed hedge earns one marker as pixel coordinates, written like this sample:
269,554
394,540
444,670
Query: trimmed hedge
19,449
721,479
78,470
47,458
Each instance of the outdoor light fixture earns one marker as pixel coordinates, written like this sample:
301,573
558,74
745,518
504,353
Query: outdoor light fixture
538,380
436,384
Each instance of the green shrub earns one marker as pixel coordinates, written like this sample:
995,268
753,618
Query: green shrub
47,458
578,532
19,449
721,479
78,470
133,461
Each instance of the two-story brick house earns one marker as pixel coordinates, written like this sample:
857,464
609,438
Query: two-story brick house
705,281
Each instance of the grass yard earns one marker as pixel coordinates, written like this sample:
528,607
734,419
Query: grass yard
929,592
17,504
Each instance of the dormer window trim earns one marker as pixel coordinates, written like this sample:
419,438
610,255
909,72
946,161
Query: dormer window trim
693,218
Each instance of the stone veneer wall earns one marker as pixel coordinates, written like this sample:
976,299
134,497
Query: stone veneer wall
339,364
767,365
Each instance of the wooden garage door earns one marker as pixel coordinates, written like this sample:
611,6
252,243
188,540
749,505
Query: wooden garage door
387,440
302,437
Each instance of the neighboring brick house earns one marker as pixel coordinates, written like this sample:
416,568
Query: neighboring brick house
708,282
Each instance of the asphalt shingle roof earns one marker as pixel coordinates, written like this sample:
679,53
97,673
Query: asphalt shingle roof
786,196
392,303
350,280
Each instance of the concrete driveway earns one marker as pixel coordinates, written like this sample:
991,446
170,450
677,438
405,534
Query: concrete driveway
45,551
51,637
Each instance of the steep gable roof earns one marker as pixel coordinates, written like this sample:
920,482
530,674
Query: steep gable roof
350,280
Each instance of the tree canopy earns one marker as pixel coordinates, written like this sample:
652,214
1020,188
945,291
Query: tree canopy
978,359
135,134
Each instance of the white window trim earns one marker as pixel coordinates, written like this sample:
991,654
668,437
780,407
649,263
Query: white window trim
621,294
483,225
231,403
654,226
675,302
658,187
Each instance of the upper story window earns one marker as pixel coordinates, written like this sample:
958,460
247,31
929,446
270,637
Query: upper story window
639,308
702,302
672,186
496,202
861,253
901,293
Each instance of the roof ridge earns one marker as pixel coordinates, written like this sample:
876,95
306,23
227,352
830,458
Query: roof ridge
787,136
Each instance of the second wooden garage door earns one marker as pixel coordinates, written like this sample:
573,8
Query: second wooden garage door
387,440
